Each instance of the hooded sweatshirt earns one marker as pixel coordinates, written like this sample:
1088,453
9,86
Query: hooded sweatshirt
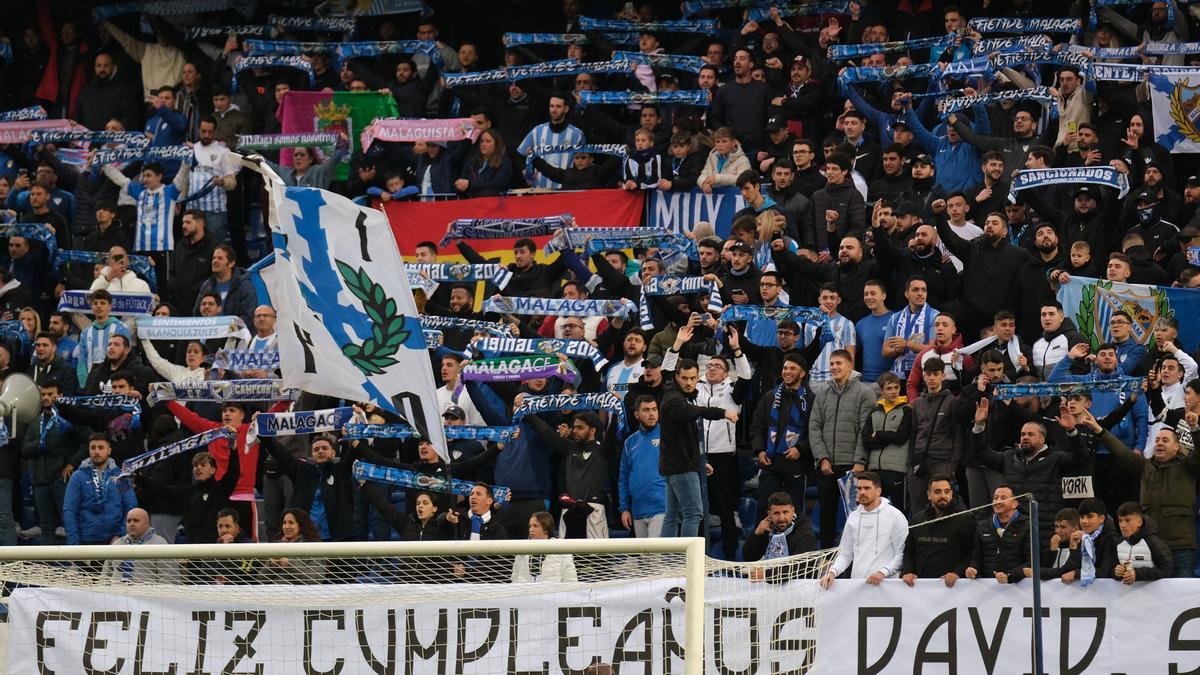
872,541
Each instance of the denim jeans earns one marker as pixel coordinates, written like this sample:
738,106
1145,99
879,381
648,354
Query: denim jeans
216,225
49,502
1185,562
8,524
684,505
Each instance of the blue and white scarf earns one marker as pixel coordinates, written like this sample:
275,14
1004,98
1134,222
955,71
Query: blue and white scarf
60,136
614,149
518,39
547,69
192,328
1134,72
221,391
433,338
1108,52
350,50
323,24
140,264
844,52
777,546
170,450
535,405
1115,385
801,315
692,97
978,66
273,61
1025,42
435,321
280,141
889,73
1024,25
469,433
1062,58
904,364
684,62
421,481
1192,253
1039,94
496,346
529,306
14,330
670,284
239,360
784,434
123,304
1168,48
683,26
505,228
302,421
609,238
36,231
33,112
287,47
201,32
419,273
801,9
1093,18
361,431
105,403
693,7
1087,569
158,153
1093,175
160,8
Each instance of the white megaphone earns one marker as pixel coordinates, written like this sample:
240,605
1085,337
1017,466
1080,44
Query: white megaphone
20,400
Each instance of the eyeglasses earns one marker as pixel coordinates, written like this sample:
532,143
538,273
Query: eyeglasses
1119,322
716,365
766,284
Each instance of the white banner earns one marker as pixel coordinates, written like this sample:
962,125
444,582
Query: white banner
985,627
750,628
636,627
348,324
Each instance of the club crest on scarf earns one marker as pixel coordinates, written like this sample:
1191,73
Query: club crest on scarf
551,346
1184,110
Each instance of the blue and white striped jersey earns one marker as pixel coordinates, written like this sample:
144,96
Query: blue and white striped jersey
542,134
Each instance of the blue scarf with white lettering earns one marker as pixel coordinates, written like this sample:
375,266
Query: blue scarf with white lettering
436,321
614,149
172,449
692,97
679,26
671,284
496,346
422,481
1025,25
505,228
33,112
844,52
273,61
200,32
313,23
684,62
418,273
302,421
36,231
1117,385
887,74
620,307
606,400
1093,175
801,9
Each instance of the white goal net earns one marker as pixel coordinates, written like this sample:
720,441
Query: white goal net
522,607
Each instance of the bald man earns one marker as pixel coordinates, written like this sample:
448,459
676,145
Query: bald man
138,532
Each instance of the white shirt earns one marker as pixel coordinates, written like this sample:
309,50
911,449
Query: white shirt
446,398
967,231
872,541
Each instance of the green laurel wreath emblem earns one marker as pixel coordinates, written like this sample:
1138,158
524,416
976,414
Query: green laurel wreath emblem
1086,315
387,331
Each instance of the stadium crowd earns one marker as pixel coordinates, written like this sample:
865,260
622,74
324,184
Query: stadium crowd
932,287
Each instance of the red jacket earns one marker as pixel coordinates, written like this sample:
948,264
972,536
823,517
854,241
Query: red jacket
48,89
916,384
219,449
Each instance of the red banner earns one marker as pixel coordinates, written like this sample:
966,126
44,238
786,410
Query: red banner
414,222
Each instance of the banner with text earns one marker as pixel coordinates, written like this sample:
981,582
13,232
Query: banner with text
414,222
679,212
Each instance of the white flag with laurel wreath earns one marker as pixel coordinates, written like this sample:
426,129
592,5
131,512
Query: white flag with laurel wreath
348,326
1176,100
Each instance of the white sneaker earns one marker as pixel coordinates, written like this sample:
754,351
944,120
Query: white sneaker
60,532
32,533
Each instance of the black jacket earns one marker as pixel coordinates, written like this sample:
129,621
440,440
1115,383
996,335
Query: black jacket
538,280
65,444
203,500
988,271
192,266
582,467
683,174
680,449
601,174
408,525
1160,553
1106,555
1040,475
68,381
800,540
938,548
335,478
1008,552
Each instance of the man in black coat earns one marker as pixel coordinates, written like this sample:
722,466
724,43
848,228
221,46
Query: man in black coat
1032,466
679,454
530,278
480,524
780,534
1001,547
940,537
325,479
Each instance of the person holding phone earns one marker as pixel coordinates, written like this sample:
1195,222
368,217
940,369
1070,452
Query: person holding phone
739,286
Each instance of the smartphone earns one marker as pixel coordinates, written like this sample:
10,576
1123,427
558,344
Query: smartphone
21,173
737,291
1072,127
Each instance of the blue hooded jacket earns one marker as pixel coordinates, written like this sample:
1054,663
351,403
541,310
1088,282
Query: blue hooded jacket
94,513
1132,428
524,466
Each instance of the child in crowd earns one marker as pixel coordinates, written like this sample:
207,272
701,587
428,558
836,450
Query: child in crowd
1141,554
